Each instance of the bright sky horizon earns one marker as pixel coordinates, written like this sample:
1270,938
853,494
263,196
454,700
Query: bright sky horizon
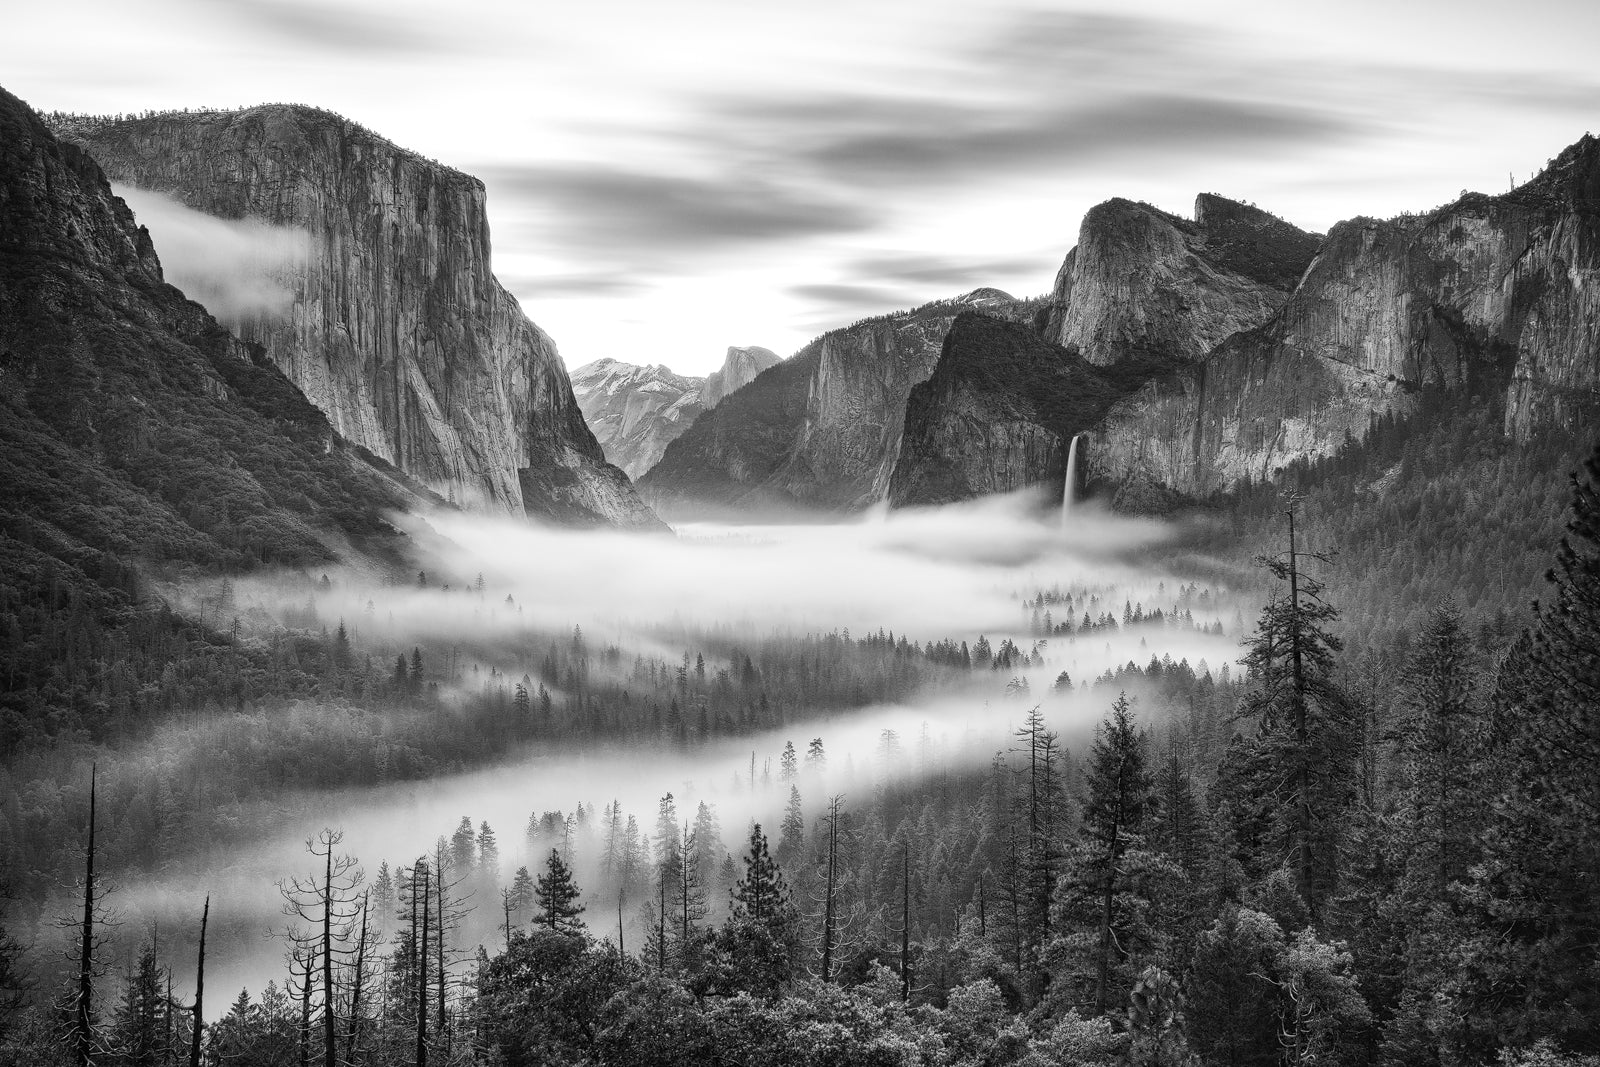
669,179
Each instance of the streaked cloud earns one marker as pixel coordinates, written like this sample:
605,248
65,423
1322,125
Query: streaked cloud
669,178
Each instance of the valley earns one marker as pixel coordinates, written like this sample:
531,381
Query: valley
1190,665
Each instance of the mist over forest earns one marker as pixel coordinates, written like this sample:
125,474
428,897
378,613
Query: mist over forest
1193,664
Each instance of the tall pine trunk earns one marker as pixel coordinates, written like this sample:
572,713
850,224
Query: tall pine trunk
200,988
83,1020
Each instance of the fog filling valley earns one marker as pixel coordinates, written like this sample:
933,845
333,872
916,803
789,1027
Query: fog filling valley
495,595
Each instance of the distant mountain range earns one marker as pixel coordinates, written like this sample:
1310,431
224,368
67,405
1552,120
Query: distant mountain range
636,411
822,429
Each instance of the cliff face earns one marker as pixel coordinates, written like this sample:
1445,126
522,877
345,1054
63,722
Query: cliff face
635,412
1496,298
824,433
999,411
133,427
397,329
739,368
1143,280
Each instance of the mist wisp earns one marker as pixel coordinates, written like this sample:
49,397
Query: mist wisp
239,269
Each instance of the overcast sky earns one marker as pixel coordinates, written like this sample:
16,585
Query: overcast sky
669,178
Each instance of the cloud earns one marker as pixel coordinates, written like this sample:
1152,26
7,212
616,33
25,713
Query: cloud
947,272
589,284
1065,139
239,269
841,295
606,209
333,27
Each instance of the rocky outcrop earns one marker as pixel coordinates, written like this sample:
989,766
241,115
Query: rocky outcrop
821,431
739,368
397,329
999,412
1492,298
1141,280
135,430
635,412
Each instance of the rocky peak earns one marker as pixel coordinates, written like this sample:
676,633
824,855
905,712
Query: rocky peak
739,368
1145,280
985,297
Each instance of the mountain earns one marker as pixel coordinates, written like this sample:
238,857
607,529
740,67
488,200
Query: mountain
740,367
396,328
1141,279
822,429
137,434
1258,354
635,412
1493,298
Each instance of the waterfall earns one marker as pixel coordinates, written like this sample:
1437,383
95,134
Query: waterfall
1071,484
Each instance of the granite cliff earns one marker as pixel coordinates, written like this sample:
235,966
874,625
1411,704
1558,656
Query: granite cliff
136,432
740,367
1141,292
999,410
397,328
1493,299
636,411
1141,279
821,430
1257,353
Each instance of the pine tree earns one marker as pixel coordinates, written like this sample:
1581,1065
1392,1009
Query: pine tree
792,833
1040,809
488,851
1306,723
463,847
557,897
1530,964
1440,740
760,895
686,898
1103,898
521,891
138,1032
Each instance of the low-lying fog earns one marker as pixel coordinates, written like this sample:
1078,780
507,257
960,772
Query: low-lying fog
954,573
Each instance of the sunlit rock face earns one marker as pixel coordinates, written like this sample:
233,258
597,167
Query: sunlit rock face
739,368
636,411
823,430
1143,280
1490,297
397,329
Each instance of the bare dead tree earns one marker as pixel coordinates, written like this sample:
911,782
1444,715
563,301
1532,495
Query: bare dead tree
358,984
81,1036
200,988
327,903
